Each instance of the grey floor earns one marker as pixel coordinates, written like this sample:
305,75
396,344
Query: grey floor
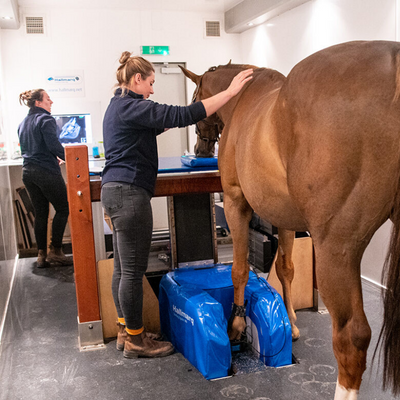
40,358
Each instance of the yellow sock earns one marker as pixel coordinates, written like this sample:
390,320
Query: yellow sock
121,321
135,331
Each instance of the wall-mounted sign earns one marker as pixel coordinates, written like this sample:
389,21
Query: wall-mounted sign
65,83
155,50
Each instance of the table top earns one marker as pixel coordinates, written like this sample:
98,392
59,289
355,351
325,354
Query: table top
169,165
166,165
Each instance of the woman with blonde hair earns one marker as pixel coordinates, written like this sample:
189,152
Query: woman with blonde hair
130,128
41,174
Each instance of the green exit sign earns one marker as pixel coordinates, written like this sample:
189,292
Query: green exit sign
155,50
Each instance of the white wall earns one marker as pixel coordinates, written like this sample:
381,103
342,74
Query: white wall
2,135
8,245
92,41
287,39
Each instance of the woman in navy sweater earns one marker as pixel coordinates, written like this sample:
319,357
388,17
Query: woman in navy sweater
130,128
42,153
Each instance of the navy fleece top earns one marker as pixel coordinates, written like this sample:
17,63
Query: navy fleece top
130,127
39,142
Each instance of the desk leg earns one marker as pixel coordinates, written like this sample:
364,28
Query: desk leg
98,228
81,224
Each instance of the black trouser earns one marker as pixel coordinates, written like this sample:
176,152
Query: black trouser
45,187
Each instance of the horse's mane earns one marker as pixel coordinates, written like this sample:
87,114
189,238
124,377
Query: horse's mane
267,73
233,66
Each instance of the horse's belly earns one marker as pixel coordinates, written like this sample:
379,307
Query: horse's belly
259,172
268,196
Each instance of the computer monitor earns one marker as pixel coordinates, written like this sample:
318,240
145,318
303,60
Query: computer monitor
74,128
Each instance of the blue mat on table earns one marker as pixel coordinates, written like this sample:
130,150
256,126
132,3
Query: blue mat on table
193,161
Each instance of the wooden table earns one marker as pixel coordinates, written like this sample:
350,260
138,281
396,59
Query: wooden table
82,191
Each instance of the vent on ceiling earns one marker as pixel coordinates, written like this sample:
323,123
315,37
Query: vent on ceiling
213,29
34,25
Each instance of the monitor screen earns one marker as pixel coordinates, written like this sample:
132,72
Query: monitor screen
74,128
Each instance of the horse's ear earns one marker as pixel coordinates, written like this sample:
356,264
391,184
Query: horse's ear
230,62
191,75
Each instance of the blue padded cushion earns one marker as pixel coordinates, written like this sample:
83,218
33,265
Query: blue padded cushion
193,161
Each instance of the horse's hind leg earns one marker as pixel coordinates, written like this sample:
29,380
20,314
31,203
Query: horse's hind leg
285,272
238,215
338,276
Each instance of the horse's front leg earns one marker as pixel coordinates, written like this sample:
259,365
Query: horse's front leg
238,215
285,272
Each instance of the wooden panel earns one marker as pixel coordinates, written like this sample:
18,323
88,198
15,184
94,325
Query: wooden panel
81,225
208,182
95,188
109,316
302,285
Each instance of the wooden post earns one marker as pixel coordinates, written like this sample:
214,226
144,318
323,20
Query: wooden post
81,225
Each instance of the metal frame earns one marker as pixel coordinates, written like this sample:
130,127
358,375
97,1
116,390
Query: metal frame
172,231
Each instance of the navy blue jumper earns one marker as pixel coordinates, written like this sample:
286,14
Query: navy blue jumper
39,142
130,127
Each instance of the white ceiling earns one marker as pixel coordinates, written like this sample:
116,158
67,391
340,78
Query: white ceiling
9,8
185,5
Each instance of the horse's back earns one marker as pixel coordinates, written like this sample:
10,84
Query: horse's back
339,120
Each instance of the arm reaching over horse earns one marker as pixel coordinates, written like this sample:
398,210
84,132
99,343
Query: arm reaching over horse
214,103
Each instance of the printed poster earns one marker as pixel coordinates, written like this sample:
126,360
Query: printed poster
65,83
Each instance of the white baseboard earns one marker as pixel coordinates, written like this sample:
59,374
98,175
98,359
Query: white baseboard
3,319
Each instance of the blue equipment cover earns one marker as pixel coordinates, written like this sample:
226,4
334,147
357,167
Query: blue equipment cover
193,161
195,305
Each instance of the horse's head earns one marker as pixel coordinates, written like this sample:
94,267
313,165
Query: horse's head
209,129
213,81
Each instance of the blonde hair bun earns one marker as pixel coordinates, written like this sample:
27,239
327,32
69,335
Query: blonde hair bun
130,66
125,57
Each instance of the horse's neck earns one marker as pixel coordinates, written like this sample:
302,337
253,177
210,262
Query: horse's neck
225,113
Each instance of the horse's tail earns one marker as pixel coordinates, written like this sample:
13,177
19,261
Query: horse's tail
389,337
397,68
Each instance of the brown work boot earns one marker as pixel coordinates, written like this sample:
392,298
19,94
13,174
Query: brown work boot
41,260
147,348
57,256
123,335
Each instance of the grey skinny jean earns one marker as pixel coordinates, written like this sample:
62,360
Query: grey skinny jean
130,211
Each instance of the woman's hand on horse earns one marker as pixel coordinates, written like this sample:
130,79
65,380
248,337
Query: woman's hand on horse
239,81
214,103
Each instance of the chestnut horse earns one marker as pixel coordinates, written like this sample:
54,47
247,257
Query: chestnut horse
318,151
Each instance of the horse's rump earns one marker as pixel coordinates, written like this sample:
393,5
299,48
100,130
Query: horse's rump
340,132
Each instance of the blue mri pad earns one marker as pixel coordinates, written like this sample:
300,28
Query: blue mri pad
195,305
193,161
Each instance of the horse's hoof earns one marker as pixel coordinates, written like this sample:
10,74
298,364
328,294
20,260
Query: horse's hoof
295,334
